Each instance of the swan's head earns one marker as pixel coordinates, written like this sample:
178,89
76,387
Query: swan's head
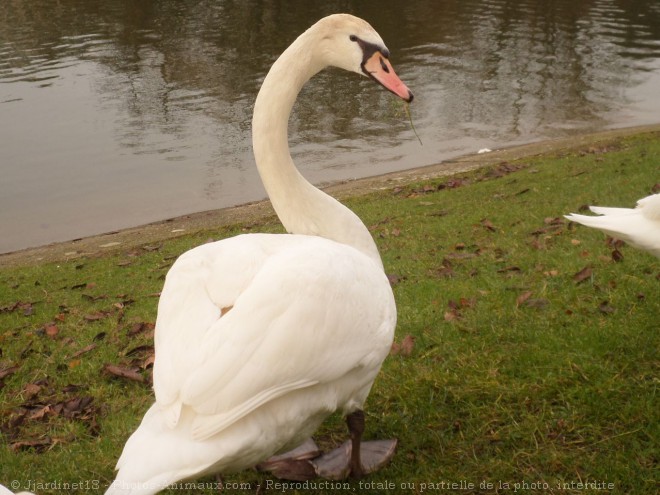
350,43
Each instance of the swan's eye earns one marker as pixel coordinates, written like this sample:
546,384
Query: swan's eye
352,37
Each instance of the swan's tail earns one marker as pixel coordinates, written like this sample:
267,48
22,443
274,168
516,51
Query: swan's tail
631,228
612,224
615,212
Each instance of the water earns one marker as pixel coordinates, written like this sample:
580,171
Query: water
118,113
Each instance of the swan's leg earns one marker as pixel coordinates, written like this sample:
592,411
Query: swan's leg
355,458
355,423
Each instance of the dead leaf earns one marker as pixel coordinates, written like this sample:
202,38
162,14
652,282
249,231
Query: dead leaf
553,220
149,362
77,406
92,298
10,370
40,413
140,327
523,297
31,390
407,345
405,348
51,330
96,316
509,269
141,349
488,225
39,444
538,303
84,350
394,279
583,275
446,271
605,307
130,374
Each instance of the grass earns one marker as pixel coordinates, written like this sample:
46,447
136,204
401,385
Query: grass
526,357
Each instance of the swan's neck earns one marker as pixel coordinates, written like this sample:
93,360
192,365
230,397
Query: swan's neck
302,208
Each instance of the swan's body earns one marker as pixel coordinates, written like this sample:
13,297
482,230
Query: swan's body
260,337
638,226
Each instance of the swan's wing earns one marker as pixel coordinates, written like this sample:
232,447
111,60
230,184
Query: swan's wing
307,314
186,310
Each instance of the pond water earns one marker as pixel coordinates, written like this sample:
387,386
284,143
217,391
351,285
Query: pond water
118,113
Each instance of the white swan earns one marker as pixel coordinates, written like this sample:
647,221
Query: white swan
6,491
261,336
639,227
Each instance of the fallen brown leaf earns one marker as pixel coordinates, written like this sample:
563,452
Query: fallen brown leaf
140,327
84,350
10,370
96,316
605,307
523,297
31,390
451,315
51,330
538,303
130,374
39,444
407,345
394,279
488,225
583,275
405,348
509,269
149,362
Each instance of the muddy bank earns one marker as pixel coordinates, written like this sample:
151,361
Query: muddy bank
253,212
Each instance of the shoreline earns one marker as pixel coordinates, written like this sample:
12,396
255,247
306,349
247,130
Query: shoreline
207,220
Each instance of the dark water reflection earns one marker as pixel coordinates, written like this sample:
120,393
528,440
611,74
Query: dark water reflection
120,112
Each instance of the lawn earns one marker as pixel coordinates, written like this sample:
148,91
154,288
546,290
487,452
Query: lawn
526,356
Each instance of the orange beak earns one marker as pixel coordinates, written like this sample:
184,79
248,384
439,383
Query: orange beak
378,67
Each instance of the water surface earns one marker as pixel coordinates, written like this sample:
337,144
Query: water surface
118,113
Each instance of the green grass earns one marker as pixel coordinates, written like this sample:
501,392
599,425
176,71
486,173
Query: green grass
518,378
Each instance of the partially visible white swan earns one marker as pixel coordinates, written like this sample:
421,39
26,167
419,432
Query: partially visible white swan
260,337
638,226
6,491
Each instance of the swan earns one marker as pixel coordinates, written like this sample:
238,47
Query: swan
639,226
6,491
260,337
